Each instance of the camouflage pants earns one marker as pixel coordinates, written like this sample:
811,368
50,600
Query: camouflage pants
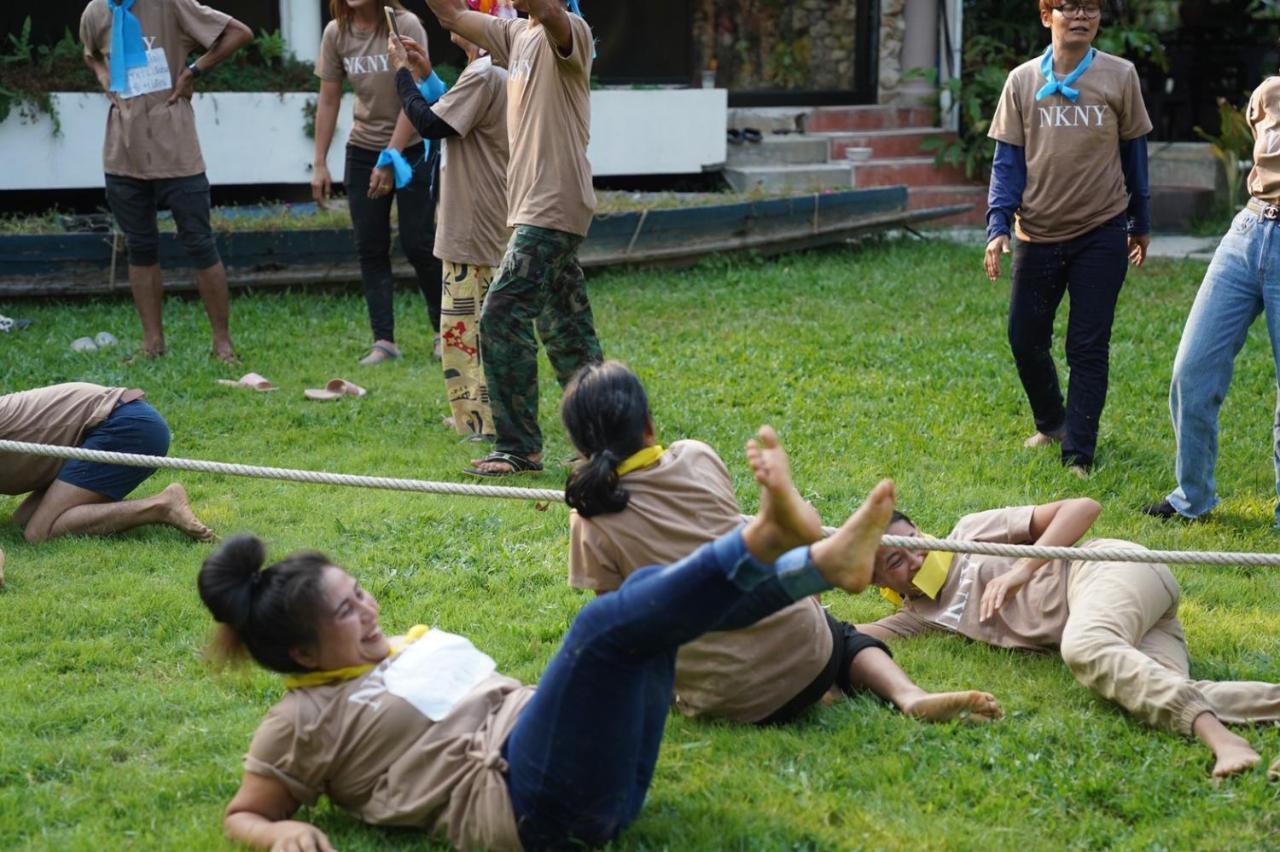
539,283
465,286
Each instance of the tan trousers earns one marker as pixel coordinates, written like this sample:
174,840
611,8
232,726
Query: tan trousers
465,286
1123,641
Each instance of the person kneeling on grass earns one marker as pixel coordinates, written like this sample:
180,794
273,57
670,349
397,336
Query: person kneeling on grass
636,504
1115,623
86,498
421,731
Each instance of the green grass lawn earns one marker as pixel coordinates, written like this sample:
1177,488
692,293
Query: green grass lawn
887,359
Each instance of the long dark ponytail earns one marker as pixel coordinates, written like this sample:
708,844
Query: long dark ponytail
606,413
266,613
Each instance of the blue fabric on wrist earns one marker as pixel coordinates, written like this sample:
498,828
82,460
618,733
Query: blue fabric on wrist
433,88
403,171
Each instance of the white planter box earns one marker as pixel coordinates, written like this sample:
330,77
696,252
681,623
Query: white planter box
257,137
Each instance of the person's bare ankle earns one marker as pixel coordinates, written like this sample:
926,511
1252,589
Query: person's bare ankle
1232,752
786,520
846,559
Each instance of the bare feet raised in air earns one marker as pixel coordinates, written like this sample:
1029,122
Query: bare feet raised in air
786,519
178,513
976,708
846,558
1232,752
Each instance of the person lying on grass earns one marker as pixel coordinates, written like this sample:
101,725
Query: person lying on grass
421,730
1115,623
85,498
636,503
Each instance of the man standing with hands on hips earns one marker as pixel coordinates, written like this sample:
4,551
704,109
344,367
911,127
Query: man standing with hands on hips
151,156
550,202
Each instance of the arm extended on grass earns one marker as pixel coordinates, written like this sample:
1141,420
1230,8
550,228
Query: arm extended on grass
258,816
1059,524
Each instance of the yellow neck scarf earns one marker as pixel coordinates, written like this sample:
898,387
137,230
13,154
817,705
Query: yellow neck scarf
398,644
929,579
646,457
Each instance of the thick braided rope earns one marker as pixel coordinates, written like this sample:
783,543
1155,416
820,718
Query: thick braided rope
549,495
546,495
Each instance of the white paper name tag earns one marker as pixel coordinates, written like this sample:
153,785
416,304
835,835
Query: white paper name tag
436,672
152,77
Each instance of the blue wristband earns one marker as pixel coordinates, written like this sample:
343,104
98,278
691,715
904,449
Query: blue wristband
392,157
432,88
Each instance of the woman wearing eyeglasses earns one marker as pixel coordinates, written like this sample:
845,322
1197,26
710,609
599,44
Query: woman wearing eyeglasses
1069,180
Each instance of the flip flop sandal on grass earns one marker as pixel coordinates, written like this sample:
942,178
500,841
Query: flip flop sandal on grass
252,381
335,389
518,464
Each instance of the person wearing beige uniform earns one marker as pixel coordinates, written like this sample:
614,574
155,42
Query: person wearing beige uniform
636,504
422,731
87,498
470,120
151,155
1114,623
550,202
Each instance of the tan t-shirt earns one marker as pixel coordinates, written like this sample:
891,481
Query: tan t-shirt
1033,619
366,745
360,56
549,122
472,226
147,138
1074,178
58,415
1264,118
676,506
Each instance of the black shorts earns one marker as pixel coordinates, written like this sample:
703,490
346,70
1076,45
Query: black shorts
846,643
134,203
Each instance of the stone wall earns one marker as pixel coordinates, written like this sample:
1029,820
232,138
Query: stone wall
893,27
777,44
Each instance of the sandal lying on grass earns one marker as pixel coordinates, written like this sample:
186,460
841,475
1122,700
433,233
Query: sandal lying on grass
251,381
334,389
518,465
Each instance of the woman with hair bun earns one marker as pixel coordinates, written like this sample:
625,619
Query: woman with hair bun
421,730
636,503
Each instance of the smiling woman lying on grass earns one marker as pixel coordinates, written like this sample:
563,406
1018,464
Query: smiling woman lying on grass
421,730
1115,623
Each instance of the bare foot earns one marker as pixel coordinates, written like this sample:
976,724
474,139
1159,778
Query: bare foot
225,352
178,514
1232,752
786,519
382,350
976,708
1041,439
1234,758
846,558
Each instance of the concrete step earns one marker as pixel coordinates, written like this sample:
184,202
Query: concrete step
921,197
800,178
787,150
898,142
912,171
860,118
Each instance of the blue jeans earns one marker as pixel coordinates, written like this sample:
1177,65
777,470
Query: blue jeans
582,754
1242,281
1091,268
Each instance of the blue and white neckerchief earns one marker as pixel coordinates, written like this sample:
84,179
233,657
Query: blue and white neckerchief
1063,86
127,47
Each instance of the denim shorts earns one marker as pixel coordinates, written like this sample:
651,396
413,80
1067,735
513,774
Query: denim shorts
134,203
134,427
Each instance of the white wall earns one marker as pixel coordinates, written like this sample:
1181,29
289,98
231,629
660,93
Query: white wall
300,26
258,138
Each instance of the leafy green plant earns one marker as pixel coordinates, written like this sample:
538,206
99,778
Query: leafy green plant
1232,146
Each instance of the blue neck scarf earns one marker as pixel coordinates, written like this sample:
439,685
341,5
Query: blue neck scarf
127,47
1062,87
